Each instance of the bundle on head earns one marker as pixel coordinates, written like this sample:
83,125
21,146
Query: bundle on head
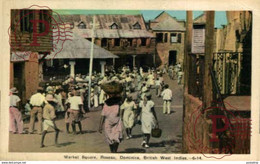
112,87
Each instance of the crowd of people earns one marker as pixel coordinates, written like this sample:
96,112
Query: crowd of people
129,105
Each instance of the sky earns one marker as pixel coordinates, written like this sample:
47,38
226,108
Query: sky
220,16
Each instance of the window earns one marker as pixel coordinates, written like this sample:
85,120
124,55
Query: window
143,41
117,42
104,42
237,36
166,37
26,16
130,42
43,16
137,26
179,38
114,26
82,25
159,37
173,37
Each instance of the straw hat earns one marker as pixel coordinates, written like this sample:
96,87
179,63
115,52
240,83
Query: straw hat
14,90
49,97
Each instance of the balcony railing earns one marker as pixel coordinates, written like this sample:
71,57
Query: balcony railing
226,68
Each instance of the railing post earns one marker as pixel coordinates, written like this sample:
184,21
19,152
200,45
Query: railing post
223,73
238,71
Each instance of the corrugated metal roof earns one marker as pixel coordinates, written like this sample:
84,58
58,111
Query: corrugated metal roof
78,48
124,22
169,24
17,56
105,33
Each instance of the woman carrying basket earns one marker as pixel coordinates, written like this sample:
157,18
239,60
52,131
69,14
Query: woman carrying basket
110,116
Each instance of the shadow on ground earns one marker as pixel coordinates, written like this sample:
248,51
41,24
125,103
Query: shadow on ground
163,143
134,150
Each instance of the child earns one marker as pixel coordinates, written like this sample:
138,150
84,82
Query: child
49,116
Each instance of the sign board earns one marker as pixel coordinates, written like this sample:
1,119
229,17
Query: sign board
198,39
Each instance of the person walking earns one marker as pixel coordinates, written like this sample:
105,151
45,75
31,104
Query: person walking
16,121
158,86
167,98
96,94
37,102
128,115
148,119
110,116
75,106
180,74
49,116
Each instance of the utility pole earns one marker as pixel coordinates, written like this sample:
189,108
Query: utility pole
209,46
91,61
187,48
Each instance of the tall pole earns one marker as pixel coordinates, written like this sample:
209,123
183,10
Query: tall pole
187,49
209,46
91,61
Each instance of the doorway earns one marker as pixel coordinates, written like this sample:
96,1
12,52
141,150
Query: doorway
19,79
172,58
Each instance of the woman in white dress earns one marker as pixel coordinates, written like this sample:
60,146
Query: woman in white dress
148,118
128,115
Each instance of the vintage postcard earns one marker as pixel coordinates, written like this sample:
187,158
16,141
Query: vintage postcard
110,80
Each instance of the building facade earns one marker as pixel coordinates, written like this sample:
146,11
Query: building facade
228,84
26,47
124,35
169,33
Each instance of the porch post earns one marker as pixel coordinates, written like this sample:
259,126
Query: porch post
134,60
102,63
72,68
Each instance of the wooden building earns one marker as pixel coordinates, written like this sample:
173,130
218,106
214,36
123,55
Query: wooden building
214,84
124,35
170,34
26,47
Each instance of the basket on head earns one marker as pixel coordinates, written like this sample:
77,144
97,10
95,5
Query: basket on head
112,87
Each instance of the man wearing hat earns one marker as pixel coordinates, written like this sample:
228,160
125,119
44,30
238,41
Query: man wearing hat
37,102
16,121
49,116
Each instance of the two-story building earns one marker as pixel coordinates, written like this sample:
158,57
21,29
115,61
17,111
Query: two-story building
169,33
26,45
124,35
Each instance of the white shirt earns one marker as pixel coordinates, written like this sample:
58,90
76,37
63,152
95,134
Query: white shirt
157,82
14,99
167,94
128,105
37,99
75,101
